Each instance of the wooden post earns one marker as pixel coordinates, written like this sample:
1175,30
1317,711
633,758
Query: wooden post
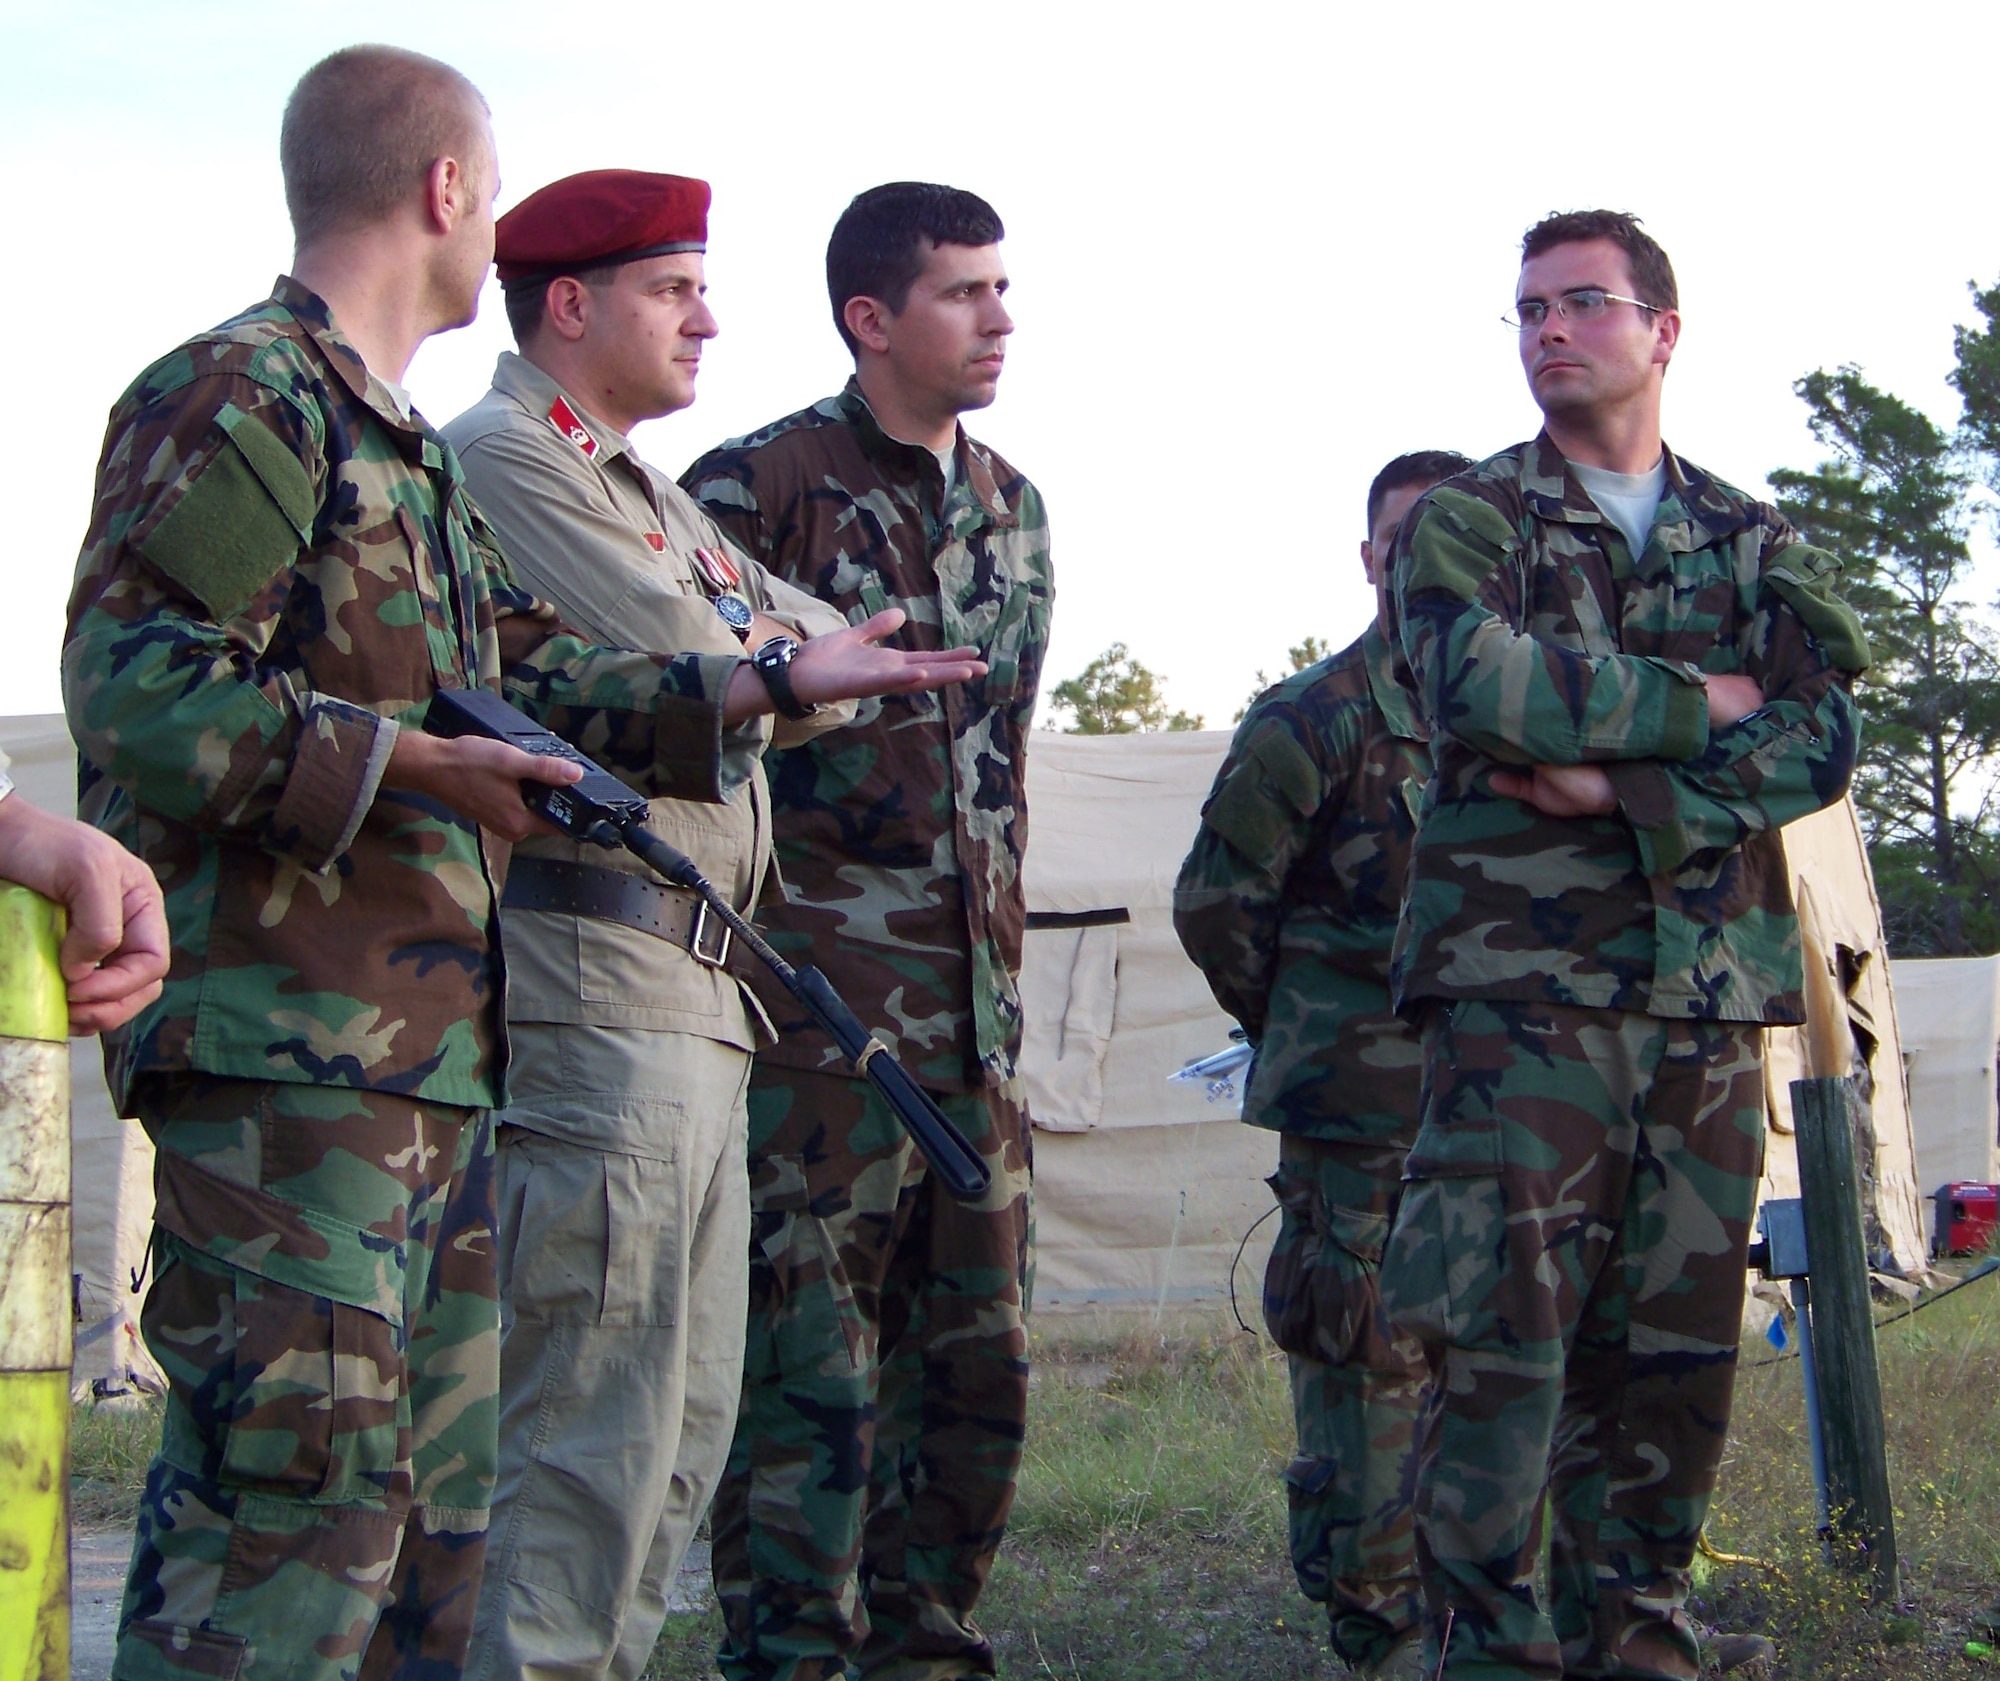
34,1292
1850,1381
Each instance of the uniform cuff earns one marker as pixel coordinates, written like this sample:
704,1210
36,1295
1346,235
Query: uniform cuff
1645,796
336,767
688,746
1684,715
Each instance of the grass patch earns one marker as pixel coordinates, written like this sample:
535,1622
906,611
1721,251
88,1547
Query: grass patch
1149,1536
109,1448
1940,1381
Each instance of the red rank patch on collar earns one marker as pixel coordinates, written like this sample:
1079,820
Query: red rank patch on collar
659,541
563,418
718,568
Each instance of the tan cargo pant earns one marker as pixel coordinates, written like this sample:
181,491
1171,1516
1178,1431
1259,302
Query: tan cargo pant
624,1222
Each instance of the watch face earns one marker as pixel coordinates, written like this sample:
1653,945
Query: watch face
735,613
778,651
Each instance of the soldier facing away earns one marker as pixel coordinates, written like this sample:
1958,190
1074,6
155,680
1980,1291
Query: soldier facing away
282,567
1634,675
623,1211
885,1377
1288,902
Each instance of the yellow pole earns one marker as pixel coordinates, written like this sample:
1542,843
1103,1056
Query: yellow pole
34,1292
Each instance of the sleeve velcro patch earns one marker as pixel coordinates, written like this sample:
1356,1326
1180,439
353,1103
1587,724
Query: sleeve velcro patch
239,523
1457,542
1273,787
1805,577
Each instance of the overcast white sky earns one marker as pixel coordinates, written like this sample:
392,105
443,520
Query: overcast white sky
1257,249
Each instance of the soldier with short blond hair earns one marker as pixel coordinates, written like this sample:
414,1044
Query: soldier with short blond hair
283,566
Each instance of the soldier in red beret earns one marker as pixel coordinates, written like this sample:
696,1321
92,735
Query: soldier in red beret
623,1206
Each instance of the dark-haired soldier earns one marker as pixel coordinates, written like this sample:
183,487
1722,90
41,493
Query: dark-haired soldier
623,1214
1633,676
885,1375
1288,902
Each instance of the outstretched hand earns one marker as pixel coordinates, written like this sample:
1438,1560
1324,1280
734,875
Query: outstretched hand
852,664
1559,790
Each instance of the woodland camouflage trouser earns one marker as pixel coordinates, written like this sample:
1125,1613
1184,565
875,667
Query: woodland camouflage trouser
885,1389
323,1307
1357,1392
1570,1250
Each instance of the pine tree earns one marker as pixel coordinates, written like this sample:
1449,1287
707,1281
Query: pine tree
1309,652
1894,502
1116,695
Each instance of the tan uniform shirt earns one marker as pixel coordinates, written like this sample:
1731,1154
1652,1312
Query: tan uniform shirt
590,527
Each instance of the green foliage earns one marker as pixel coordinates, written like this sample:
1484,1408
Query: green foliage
1976,378
1116,695
1894,500
1309,652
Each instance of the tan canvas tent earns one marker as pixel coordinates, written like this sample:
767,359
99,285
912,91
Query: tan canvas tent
1949,1009
1142,1189
1853,1005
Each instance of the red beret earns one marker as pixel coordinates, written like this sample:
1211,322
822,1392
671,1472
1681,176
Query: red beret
600,216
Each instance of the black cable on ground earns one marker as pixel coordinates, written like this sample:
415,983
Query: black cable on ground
1986,1269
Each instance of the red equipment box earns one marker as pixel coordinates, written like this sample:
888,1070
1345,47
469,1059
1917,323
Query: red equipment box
1968,1218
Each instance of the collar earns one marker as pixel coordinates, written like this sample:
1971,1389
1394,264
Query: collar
548,404
1392,700
315,316
414,437
1696,510
975,464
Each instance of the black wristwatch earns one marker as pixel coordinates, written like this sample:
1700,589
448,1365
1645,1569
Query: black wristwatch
773,663
736,614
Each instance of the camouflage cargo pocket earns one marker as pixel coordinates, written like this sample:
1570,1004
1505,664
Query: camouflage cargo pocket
1456,1149
1321,1290
308,1407
799,1284
1021,628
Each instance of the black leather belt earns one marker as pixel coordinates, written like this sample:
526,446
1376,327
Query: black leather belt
667,913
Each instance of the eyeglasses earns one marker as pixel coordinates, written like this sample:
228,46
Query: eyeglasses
1585,303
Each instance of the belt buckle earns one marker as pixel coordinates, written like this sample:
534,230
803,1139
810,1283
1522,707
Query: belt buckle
698,941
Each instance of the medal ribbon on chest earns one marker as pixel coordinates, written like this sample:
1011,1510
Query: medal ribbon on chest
718,569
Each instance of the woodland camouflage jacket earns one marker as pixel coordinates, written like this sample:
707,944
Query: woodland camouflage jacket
1289,897
281,569
1536,636
900,838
